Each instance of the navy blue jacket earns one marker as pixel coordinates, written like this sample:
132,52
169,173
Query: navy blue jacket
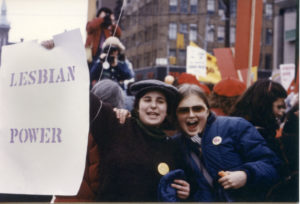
241,148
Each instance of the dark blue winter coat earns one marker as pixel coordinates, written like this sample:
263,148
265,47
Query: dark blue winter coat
241,148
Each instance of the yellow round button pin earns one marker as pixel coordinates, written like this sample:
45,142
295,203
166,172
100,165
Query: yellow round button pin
163,168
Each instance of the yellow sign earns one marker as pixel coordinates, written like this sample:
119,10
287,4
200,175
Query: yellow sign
180,41
213,74
172,60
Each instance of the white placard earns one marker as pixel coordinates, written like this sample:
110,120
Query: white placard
44,116
287,74
196,61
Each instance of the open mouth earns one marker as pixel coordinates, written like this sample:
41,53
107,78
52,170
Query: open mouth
152,114
192,124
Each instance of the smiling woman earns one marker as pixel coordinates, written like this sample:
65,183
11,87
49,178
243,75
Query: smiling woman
153,108
137,154
50,17
230,160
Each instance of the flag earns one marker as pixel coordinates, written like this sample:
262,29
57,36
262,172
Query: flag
172,60
180,41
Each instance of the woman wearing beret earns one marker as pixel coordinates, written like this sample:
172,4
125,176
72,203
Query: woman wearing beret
135,155
229,158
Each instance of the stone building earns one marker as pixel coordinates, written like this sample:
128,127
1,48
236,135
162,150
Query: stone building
285,32
151,28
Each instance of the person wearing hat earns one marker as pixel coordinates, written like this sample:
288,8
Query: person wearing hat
224,95
230,160
135,155
108,65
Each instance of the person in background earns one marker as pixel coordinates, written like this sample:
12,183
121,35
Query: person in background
109,92
108,65
225,94
263,105
99,29
287,189
229,158
186,78
136,154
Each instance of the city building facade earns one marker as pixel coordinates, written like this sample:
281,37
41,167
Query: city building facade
152,30
286,28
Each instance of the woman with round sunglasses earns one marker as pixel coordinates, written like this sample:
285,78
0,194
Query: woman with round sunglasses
230,160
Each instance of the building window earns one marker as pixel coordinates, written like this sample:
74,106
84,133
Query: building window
155,32
221,34
172,52
193,32
268,61
233,8
147,59
173,6
232,35
184,6
194,6
210,6
183,28
269,36
269,11
172,31
222,8
182,55
210,33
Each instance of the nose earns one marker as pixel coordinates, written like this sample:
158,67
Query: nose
153,104
191,113
281,112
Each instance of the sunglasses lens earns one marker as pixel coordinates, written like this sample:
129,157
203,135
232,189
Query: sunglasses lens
198,109
183,110
195,109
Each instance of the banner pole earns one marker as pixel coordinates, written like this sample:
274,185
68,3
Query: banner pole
250,59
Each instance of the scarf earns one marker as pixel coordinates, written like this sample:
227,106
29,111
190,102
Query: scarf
154,132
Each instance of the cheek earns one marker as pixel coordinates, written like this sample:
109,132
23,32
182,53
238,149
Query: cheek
163,109
181,120
203,119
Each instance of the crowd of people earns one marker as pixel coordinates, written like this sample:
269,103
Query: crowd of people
181,140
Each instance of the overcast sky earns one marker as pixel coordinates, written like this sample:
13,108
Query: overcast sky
41,19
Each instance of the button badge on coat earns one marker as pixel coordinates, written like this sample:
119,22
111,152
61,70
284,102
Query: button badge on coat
163,168
217,140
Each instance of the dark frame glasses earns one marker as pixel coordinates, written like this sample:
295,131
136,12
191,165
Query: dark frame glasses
195,109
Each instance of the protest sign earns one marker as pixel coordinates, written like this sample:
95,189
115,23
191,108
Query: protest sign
196,61
44,116
287,74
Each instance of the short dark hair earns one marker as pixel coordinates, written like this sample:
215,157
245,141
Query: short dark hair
104,9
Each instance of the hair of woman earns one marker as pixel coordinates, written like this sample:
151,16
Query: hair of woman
186,90
256,104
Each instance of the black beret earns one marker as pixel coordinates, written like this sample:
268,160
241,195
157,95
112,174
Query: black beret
141,87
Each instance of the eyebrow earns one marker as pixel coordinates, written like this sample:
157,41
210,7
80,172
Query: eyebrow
203,106
159,97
